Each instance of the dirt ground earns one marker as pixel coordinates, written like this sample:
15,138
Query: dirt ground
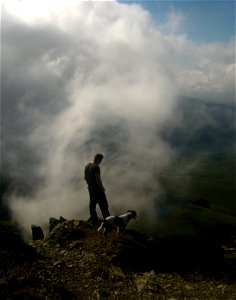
94,267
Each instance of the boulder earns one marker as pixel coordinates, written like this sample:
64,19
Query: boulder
65,232
37,233
53,222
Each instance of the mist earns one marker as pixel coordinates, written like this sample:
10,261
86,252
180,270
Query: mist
85,77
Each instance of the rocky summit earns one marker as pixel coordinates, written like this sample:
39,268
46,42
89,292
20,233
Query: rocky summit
74,261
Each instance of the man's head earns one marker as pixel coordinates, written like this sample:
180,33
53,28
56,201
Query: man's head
98,158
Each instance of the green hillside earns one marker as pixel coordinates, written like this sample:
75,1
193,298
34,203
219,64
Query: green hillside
205,162
211,177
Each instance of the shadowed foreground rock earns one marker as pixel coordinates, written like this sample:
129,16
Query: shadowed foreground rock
74,261
37,233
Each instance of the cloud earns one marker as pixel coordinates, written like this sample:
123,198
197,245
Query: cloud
84,77
211,72
174,22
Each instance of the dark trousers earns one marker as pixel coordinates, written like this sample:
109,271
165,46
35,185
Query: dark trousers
97,196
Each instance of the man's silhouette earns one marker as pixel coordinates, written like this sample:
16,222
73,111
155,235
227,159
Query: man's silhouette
92,176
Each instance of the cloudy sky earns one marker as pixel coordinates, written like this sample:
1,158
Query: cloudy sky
202,21
80,77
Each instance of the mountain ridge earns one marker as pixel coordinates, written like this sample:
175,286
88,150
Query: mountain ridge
69,265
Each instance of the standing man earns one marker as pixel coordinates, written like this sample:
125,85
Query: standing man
92,176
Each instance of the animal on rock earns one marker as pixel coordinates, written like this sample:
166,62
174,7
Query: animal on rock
117,222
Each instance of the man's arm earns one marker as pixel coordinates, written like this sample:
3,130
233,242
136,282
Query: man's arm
86,173
99,181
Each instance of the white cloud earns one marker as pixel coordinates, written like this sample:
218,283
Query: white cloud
211,73
175,21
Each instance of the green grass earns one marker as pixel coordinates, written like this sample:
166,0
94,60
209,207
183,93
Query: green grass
211,177
188,220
